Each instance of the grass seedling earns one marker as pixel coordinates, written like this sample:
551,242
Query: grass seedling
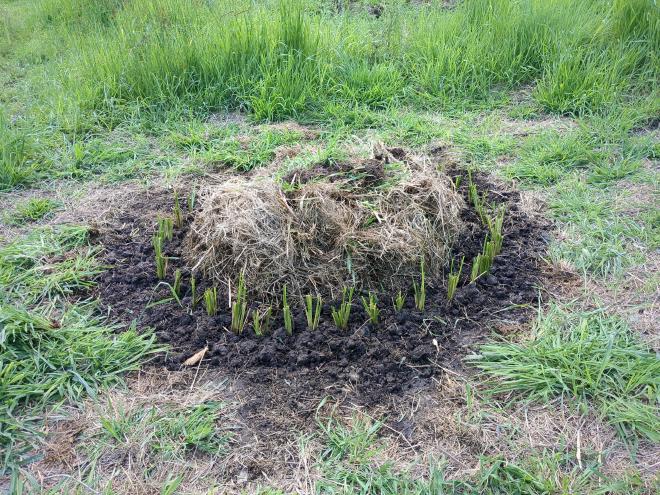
178,214
399,301
452,281
161,259
261,322
176,287
239,307
211,301
371,307
286,313
165,228
341,316
312,311
420,290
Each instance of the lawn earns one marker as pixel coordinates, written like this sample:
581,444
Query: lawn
329,246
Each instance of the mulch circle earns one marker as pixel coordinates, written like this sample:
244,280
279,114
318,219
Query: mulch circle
369,362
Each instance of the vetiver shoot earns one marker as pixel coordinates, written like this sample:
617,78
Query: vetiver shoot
371,307
261,321
342,315
165,228
286,313
420,289
161,259
176,287
178,214
313,311
399,301
452,280
211,301
239,307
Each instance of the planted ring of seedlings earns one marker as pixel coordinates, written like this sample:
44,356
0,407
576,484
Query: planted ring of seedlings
312,330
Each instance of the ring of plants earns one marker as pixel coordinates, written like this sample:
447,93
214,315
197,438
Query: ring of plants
375,335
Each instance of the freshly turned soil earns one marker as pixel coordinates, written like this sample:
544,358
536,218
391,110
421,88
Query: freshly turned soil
368,362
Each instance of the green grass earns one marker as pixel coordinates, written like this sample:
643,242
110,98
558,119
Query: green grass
588,359
168,433
32,210
53,345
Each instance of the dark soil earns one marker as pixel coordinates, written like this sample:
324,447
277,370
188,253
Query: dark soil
368,362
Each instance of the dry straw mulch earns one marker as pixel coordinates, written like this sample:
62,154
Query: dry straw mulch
367,223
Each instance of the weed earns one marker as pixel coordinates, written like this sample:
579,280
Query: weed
161,259
211,301
261,321
286,313
370,305
313,311
342,315
420,289
453,279
239,312
398,301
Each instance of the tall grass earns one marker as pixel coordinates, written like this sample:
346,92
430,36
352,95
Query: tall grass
291,59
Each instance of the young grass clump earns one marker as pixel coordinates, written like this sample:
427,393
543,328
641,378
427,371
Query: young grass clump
453,279
239,307
32,210
161,259
420,289
370,305
342,315
211,301
286,313
313,311
261,321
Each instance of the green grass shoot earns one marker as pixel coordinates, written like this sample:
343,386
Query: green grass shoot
453,278
261,321
161,259
211,301
239,312
286,313
399,301
420,289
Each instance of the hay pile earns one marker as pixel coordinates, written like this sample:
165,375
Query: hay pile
368,226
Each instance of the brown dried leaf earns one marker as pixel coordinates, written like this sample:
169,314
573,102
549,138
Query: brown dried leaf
196,358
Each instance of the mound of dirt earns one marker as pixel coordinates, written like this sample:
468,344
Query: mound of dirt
368,362
366,223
